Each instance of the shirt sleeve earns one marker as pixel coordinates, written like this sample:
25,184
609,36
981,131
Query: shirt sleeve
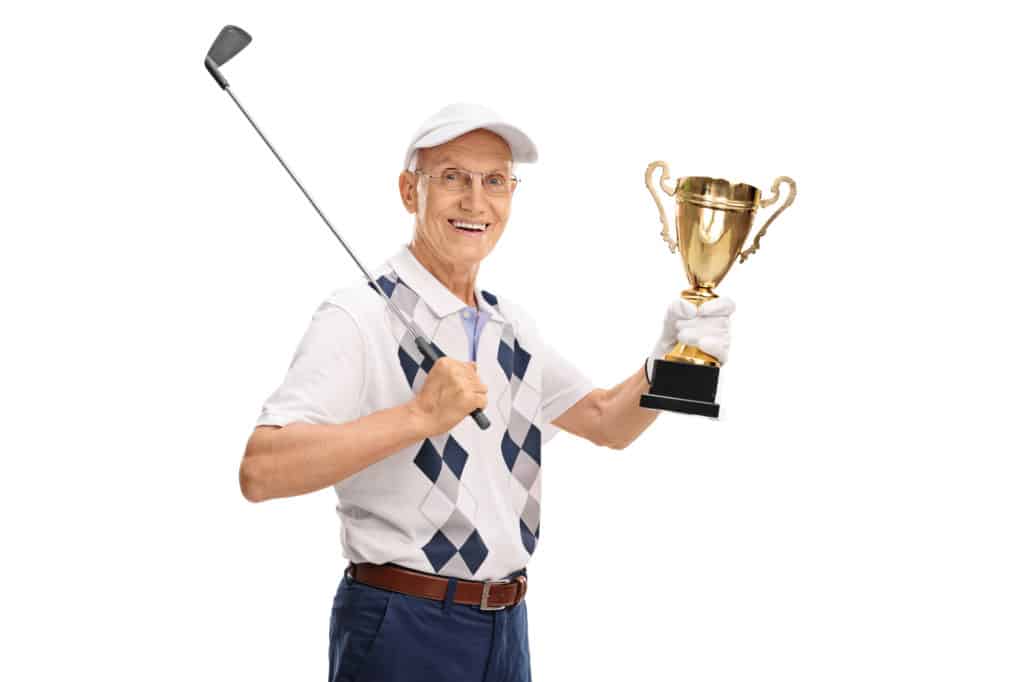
326,379
563,386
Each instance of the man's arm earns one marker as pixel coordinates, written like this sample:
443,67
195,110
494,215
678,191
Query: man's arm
611,418
301,458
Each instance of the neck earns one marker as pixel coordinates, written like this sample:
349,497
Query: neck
459,280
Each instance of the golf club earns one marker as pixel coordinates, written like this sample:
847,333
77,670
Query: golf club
230,41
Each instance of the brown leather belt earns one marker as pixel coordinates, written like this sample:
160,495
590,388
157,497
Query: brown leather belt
489,596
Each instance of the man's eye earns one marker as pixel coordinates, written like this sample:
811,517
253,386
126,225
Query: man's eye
451,175
496,180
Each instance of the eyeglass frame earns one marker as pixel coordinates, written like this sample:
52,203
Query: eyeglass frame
514,179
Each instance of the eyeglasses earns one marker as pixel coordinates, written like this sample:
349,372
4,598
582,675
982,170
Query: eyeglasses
459,180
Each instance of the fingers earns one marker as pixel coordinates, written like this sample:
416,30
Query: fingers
717,307
475,392
474,378
451,391
711,344
479,401
458,375
456,368
696,336
705,325
710,334
472,385
681,308
717,346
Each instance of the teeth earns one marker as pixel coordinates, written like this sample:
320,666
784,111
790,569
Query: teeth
479,227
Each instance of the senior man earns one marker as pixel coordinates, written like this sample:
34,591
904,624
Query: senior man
439,517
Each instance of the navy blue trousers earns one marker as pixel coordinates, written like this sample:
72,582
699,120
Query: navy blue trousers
382,636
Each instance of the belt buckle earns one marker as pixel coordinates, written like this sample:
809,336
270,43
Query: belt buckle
486,592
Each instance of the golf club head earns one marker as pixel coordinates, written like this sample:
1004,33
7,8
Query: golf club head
230,41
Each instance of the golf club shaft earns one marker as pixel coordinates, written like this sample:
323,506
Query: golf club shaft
424,345
320,213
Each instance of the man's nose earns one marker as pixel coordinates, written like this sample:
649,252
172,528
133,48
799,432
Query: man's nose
475,199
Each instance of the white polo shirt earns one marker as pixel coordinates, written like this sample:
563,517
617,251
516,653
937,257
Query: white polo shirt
465,503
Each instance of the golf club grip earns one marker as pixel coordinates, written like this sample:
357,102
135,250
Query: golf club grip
431,351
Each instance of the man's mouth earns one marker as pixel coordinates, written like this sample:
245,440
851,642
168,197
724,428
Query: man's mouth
464,226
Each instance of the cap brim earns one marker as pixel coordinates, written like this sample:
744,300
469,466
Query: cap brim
522,147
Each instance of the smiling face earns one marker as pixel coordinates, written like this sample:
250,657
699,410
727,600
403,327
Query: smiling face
445,219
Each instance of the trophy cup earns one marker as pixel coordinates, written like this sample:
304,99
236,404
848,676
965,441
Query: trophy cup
713,217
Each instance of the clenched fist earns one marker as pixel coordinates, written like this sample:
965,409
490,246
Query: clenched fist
452,390
706,327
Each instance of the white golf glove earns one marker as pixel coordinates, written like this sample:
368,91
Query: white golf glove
706,327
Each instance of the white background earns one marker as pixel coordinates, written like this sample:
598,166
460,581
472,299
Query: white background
856,513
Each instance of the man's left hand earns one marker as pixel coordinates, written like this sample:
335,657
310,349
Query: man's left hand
706,327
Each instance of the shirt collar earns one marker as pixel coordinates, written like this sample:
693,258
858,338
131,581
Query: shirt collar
437,296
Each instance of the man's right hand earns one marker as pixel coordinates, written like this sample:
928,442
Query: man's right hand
451,391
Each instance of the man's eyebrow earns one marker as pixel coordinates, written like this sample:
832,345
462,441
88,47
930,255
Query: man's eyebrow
448,159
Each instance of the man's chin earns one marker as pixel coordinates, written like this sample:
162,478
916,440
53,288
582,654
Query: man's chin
469,255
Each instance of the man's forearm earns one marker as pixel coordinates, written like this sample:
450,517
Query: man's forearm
622,415
301,458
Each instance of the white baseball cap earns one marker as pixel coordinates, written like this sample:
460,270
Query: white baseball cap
458,119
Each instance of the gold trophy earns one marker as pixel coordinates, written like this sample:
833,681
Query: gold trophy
713,217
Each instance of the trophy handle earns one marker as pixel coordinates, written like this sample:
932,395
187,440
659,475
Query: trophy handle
661,209
744,255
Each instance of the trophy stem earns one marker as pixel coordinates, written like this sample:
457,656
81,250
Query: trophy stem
691,355
698,295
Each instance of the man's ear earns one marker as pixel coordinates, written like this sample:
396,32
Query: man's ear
407,190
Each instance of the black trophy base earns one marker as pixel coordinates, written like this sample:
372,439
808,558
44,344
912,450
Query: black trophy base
683,387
